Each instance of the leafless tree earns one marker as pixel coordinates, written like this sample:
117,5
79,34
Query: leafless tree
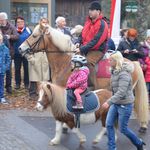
142,18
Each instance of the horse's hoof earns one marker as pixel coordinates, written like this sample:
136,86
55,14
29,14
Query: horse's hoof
65,130
142,130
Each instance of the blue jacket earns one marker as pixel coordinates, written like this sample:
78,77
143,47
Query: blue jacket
4,59
22,37
111,44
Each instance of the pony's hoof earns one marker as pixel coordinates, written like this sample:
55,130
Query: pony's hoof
53,142
65,130
82,141
95,142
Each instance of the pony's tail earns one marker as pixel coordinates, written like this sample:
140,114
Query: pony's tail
141,98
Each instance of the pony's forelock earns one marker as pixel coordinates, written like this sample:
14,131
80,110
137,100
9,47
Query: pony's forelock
57,98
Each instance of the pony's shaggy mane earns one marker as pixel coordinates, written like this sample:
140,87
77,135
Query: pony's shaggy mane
58,105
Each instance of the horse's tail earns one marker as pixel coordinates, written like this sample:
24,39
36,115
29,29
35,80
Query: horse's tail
141,98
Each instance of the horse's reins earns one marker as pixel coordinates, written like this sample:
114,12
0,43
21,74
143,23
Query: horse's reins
45,49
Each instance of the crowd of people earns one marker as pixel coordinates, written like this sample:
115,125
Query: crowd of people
93,42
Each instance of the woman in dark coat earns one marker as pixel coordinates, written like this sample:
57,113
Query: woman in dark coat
130,47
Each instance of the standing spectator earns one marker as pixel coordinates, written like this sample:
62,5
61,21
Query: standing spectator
5,40
10,33
123,33
145,62
24,33
147,73
93,42
4,65
130,47
146,49
121,102
39,68
76,33
110,42
61,25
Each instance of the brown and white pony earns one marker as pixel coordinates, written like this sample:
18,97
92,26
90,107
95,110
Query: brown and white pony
55,96
59,49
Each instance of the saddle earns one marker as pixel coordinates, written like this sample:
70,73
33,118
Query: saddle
103,67
89,99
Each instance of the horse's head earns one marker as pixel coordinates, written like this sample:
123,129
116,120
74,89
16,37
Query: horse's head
37,41
46,38
45,96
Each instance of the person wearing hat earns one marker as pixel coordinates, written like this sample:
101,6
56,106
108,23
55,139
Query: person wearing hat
130,47
93,39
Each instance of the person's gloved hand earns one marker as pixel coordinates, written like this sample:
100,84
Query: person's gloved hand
31,59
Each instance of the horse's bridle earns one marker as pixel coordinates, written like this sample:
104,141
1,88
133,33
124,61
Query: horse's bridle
37,43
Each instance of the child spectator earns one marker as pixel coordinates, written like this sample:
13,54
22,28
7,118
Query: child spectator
4,66
78,79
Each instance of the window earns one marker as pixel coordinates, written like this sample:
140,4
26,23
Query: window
32,12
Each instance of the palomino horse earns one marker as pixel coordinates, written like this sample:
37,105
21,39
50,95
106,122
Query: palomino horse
55,96
59,49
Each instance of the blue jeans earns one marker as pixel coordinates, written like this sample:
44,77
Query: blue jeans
1,86
122,113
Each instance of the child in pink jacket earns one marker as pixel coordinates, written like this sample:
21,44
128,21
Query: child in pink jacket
79,78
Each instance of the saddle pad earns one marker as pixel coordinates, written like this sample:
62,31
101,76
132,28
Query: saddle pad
90,102
103,69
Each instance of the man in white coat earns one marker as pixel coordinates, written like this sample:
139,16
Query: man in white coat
39,69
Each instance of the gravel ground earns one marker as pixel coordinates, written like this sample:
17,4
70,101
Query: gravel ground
19,99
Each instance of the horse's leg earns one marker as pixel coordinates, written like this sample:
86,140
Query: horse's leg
58,133
80,135
65,128
99,135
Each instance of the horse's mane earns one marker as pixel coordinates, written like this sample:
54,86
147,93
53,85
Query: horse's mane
61,40
58,104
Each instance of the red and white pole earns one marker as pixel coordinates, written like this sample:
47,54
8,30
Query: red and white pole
115,14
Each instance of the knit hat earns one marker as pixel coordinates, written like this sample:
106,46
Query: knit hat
95,6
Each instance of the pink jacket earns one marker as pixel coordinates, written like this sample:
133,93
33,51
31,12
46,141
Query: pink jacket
79,78
147,71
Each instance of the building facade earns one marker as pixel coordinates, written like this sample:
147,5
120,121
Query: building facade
75,11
